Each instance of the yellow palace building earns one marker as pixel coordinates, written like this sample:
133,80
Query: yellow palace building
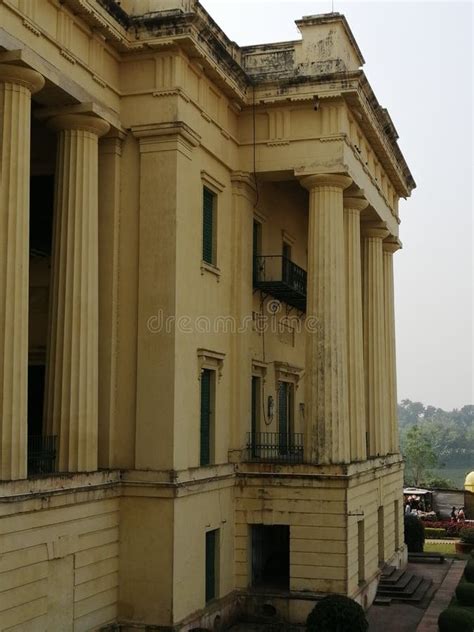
197,378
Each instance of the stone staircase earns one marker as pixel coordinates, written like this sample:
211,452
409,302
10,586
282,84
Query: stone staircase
401,586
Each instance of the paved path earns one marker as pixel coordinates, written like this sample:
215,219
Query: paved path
405,617
442,597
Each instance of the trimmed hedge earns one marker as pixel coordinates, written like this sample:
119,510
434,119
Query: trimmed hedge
435,534
337,612
451,528
469,571
454,620
467,535
465,593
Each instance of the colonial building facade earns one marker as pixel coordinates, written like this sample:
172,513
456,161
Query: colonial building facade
197,385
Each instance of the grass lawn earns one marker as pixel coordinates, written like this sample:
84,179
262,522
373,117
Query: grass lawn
440,547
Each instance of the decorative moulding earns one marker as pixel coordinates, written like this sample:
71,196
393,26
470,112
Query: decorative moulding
285,372
259,369
213,182
213,360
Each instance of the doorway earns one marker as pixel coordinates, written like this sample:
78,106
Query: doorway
271,556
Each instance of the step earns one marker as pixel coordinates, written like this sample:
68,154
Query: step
388,570
401,584
419,593
393,578
426,557
382,601
406,591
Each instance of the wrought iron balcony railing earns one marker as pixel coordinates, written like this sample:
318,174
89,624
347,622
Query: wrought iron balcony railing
275,447
281,278
41,454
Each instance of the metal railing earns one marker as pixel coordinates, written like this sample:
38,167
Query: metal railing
41,454
279,269
271,447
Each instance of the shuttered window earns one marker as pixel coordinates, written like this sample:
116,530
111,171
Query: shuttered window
211,564
208,225
206,391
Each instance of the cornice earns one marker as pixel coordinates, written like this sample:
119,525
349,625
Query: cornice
160,131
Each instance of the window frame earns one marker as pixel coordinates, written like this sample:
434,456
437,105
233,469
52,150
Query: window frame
212,185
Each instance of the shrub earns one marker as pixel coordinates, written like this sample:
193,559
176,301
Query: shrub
337,613
435,533
451,527
465,593
469,571
467,535
414,534
454,620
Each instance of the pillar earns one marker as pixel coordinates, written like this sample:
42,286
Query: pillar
326,394
374,343
355,346
17,84
243,200
390,246
71,405
110,152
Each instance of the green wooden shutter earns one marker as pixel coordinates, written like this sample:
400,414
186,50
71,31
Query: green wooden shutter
208,226
210,565
283,416
205,417
254,418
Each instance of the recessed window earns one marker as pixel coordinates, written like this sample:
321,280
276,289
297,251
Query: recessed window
208,381
209,226
212,565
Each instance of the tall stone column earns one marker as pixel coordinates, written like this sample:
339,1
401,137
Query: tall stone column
243,200
110,153
390,246
326,396
374,342
71,406
17,84
355,346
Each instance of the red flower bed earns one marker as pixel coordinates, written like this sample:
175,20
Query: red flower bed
451,527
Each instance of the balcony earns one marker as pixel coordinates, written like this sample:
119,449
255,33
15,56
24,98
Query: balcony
41,455
275,447
281,278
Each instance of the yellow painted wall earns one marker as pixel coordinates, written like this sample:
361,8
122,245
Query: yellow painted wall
59,561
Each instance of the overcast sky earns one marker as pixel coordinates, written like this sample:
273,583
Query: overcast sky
419,62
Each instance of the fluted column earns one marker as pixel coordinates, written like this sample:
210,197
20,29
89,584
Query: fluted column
390,246
326,398
355,346
17,84
374,342
72,362
243,200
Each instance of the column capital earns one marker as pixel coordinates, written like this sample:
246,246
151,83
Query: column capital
22,76
376,230
355,204
392,244
243,183
83,122
325,180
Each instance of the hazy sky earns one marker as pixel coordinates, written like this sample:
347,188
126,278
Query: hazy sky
419,62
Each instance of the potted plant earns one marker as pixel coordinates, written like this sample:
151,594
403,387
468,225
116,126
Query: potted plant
466,543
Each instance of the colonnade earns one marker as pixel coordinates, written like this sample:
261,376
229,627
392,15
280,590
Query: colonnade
71,406
350,378
350,341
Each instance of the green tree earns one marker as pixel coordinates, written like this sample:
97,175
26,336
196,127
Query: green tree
419,455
